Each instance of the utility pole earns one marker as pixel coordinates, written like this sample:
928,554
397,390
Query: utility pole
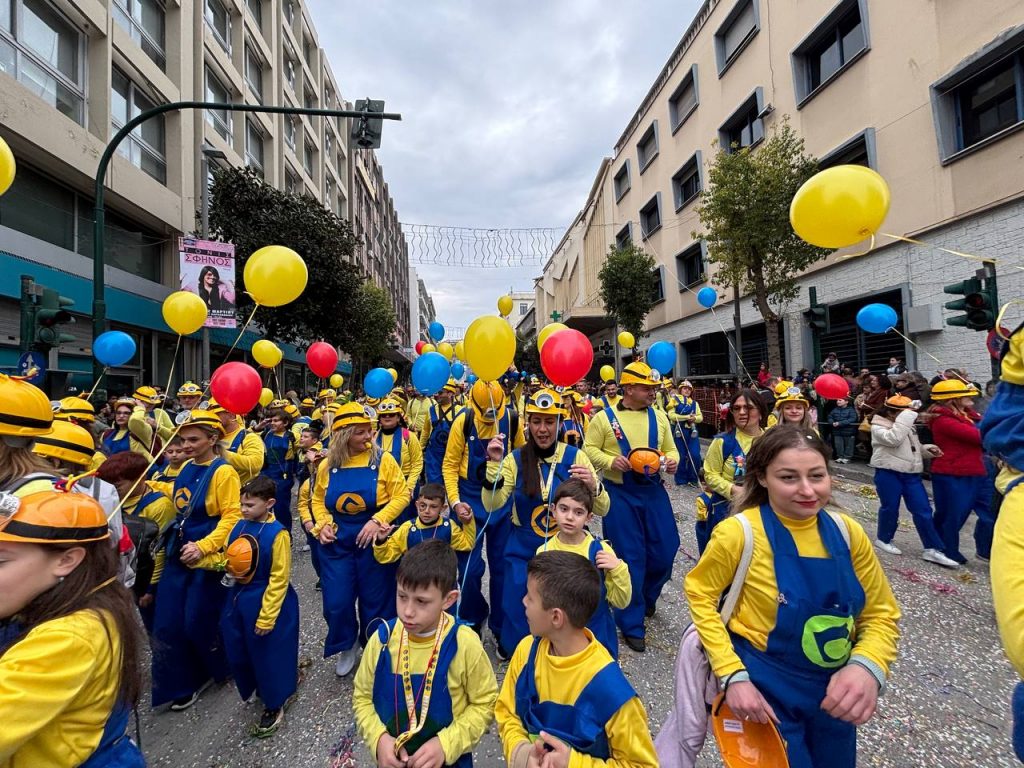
737,328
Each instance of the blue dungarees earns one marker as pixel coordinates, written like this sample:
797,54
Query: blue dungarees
116,749
687,442
718,509
433,452
279,468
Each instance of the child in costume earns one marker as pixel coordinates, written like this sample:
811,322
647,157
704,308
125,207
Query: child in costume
429,524
174,456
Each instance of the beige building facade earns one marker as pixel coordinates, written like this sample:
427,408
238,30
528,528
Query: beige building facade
929,94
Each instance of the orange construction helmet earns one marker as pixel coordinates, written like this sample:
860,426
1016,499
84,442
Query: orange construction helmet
243,555
52,517
645,461
744,743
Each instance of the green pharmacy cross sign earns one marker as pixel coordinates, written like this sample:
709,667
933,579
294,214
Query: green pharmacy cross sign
556,316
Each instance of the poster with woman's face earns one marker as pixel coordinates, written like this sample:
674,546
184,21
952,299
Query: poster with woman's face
208,270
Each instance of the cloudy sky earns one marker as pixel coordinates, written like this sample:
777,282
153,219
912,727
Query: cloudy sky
507,110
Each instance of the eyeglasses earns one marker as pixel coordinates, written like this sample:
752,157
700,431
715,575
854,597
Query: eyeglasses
738,408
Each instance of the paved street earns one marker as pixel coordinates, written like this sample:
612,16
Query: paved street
947,702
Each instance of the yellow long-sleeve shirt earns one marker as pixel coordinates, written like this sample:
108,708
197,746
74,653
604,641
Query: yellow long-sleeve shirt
456,456
696,417
164,424
617,585
161,511
412,456
392,491
471,685
248,459
561,679
1007,575
397,544
97,461
602,447
718,469
58,686
304,503
416,411
876,631
223,499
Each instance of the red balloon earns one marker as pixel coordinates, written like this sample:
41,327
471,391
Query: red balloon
566,357
831,386
237,387
419,347
322,359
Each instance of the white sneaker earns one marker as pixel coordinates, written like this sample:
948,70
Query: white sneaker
890,548
934,556
346,662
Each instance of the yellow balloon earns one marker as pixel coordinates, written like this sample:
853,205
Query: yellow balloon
275,275
460,351
505,306
607,373
840,206
7,167
336,380
183,312
490,347
394,373
266,353
266,397
626,340
547,330
428,348
447,350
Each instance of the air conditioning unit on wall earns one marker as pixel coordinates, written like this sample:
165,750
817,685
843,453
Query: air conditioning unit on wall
924,319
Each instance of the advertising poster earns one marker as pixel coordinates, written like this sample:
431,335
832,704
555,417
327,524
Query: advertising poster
208,270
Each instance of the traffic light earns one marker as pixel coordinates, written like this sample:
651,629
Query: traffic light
979,304
50,316
818,317
366,131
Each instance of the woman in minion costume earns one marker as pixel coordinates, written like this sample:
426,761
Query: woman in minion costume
69,682
528,477
280,461
25,414
187,652
792,408
575,421
131,430
359,492
81,412
242,448
684,415
148,398
814,631
436,426
394,437
324,398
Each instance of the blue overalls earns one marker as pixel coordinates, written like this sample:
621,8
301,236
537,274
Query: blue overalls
433,452
602,624
313,541
389,697
398,438
472,606
279,468
116,749
149,612
687,442
532,525
347,571
580,725
718,509
442,531
187,650
570,432
267,664
641,527
113,444
819,601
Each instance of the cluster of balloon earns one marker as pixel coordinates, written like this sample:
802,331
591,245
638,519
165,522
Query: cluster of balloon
505,306
436,331
321,358
427,348
662,357
430,373
490,346
8,168
184,312
377,382
274,276
831,386
626,340
336,381
237,387
547,332
707,297
607,373
840,206
113,348
460,350
266,353
876,318
566,357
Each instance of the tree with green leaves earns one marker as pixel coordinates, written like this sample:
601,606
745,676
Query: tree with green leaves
627,287
372,305
745,215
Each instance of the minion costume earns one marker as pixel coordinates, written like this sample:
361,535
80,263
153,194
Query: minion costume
189,601
81,412
403,445
304,506
533,525
416,411
464,470
724,466
158,508
136,436
684,415
280,464
575,422
324,398
150,399
642,527
59,683
787,392
189,395
347,498
243,450
412,532
436,427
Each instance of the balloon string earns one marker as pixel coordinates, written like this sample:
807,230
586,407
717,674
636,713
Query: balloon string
913,241
174,360
999,317
943,366
240,333
96,385
870,248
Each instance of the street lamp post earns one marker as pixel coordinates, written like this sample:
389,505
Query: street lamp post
364,132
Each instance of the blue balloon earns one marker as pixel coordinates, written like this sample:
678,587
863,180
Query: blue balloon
430,373
458,370
707,297
472,378
436,331
113,348
876,318
662,357
378,383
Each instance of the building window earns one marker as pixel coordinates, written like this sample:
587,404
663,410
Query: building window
745,127
647,147
44,52
523,308
307,49
328,193
328,95
289,131
220,119
219,19
289,71
144,22
650,216
291,181
309,98
658,284
254,147
690,266
256,9
860,150
145,145
684,100
289,11
834,45
308,155
254,72
621,181
736,32
686,183
624,238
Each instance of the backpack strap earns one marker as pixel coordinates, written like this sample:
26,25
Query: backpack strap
841,525
21,482
733,595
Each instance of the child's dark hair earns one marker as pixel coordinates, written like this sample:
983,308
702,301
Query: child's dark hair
431,563
578,491
175,440
260,487
765,450
569,582
314,428
434,492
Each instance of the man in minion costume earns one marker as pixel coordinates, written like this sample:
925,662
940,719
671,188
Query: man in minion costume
684,415
189,396
243,450
82,413
306,407
640,524
416,411
465,472
436,427
324,398
157,418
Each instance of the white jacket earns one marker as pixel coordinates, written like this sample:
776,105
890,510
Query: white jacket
894,444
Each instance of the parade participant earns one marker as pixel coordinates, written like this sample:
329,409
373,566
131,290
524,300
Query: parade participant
684,414
573,506
416,410
792,408
25,414
642,526
68,447
131,430
725,462
174,458
358,492
464,471
816,576
243,449
163,427
324,398
561,672
844,422
260,624
437,665
575,422
81,412
395,438
428,524
897,457
189,396
436,427
313,457
280,462
959,476
69,682
309,437
527,477
306,407
609,395
187,653
582,388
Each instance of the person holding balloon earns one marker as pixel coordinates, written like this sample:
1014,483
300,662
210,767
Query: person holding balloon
131,430
684,414
395,438
436,427
242,449
416,409
148,398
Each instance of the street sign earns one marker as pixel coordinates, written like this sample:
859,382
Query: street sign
30,360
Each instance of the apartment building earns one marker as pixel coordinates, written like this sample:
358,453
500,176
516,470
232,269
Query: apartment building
926,92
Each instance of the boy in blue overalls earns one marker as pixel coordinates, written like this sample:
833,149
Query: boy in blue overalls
427,526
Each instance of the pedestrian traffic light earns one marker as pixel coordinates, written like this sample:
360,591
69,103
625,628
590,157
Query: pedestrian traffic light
818,317
979,304
50,316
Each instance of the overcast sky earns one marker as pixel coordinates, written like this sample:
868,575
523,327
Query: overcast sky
507,110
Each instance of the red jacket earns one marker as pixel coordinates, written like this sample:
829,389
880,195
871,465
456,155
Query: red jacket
960,440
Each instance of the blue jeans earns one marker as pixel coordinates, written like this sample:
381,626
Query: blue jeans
844,445
892,486
955,497
1018,721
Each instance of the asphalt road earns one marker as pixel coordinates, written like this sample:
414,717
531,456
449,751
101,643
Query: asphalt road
947,702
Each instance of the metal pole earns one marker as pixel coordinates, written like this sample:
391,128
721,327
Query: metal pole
737,328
